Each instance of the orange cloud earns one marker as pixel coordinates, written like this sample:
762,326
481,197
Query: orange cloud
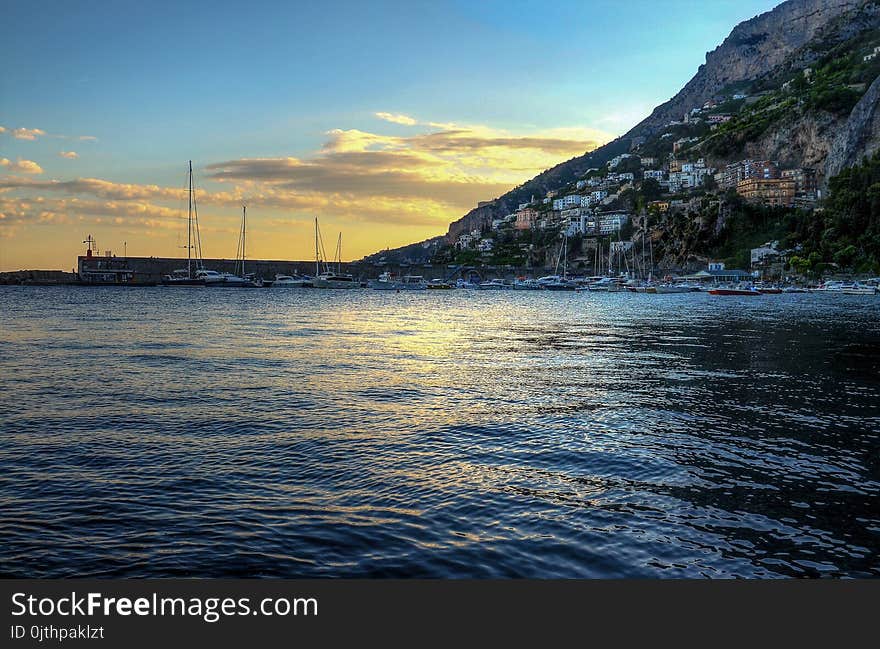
70,155
21,166
356,181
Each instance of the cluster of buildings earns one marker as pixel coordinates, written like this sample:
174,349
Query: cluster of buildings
704,113
762,181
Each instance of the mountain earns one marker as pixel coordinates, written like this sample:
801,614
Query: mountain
754,48
827,132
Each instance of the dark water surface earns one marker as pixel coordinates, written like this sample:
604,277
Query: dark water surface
172,432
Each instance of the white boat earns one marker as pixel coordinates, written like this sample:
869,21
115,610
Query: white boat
830,286
859,289
493,285
387,282
239,279
526,285
190,276
292,281
212,278
328,278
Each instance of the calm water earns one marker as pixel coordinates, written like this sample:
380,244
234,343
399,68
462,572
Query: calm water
171,432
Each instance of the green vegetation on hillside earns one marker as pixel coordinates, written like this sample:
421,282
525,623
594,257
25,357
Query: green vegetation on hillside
834,84
846,232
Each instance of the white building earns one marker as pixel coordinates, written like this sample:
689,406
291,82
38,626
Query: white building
485,245
616,160
598,195
656,174
609,222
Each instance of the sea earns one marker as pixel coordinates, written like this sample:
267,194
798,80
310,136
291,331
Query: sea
191,432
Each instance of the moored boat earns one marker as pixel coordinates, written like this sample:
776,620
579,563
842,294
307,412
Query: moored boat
859,289
734,291
386,282
292,281
493,285
335,280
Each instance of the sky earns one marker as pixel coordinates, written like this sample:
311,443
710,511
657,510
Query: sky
385,120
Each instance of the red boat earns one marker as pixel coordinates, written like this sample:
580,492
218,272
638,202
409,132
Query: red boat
770,291
734,291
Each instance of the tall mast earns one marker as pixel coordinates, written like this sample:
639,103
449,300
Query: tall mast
243,235
565,258
339,254
189,224
317,267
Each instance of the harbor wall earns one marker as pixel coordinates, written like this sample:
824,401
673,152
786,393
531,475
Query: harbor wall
152,269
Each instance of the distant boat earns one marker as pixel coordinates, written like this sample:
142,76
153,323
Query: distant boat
292,281
667,289
493,285
328,278
735,291
239,279
335,280
192,275
439,284
386,282
526,285
859,289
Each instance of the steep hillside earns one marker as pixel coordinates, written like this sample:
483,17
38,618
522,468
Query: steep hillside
754,48
759,56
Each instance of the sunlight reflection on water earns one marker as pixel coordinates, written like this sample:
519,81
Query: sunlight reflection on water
162,432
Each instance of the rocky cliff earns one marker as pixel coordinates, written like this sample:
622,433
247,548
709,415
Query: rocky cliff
754,48
860,134
790,37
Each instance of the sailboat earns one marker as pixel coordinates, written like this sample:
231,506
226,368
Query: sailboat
194,274
238,279
330,278
556,282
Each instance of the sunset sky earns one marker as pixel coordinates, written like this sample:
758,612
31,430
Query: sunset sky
387,120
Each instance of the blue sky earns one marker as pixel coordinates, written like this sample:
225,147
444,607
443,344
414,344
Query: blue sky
158,83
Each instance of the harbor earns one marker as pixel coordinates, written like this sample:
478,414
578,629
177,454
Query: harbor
110,270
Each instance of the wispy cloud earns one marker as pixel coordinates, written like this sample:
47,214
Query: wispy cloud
32,134
414,185
21,166
27,133
70,155
457,167
397,118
